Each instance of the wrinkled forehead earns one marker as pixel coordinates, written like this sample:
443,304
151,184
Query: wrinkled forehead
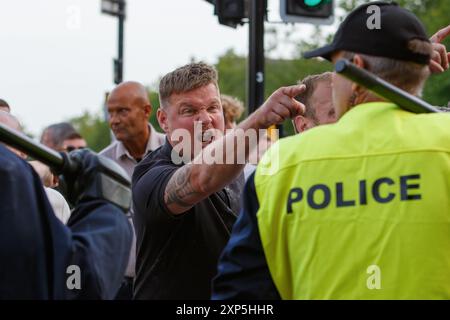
199,97
126,96
323,87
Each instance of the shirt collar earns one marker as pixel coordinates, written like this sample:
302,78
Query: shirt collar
152,144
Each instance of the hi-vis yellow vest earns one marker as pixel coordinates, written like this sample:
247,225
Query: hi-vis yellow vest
359,209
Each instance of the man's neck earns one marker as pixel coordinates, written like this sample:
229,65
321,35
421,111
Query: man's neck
367,97
137,147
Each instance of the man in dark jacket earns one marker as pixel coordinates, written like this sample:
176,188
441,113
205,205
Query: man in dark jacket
43,259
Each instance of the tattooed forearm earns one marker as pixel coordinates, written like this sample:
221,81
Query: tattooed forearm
179,189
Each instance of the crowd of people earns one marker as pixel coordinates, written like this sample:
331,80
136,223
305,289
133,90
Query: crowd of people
363,184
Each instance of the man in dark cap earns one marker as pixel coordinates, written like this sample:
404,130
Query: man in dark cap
357,209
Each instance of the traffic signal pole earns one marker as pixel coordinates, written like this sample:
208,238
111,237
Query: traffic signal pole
233,12
256,75
257,11
118,76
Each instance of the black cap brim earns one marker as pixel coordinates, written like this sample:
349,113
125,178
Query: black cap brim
324,52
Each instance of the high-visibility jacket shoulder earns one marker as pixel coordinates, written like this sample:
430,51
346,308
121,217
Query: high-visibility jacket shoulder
359,209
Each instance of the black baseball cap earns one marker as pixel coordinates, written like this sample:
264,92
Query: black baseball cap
397,27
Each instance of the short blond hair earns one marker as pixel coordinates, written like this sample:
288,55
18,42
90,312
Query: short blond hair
311,83
185,79
232,108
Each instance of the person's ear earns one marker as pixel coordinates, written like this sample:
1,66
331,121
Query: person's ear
147,110
300,124
161,115
359,62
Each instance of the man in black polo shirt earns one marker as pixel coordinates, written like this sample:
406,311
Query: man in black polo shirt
184,213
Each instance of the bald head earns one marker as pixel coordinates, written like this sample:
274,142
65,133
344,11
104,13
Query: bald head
129,109
131,90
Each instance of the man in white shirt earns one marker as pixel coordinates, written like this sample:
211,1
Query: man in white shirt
129,110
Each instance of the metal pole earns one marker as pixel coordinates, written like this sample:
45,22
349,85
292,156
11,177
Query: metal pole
119,62
256,54
58,161
112,179
382,88
33,149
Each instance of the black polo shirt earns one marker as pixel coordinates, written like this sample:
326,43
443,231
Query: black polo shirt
177,256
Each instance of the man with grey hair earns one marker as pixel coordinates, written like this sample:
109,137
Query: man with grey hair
184,211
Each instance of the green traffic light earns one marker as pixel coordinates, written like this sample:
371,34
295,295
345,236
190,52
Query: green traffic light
314,3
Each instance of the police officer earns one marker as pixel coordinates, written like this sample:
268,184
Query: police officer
358,209
43,259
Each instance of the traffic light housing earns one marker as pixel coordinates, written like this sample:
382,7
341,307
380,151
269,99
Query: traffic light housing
230,12
307,11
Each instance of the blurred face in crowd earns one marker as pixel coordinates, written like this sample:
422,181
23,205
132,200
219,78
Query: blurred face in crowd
11,122
4,108
342,89
129,110
321,102
183,110
72,144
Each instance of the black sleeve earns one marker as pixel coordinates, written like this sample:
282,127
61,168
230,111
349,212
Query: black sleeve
148,194
243,272
37,250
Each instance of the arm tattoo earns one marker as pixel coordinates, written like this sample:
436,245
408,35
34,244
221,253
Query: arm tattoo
179,188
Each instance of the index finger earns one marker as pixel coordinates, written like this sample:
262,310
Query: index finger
440,35
293,91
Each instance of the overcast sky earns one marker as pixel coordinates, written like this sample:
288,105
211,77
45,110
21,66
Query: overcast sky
56,55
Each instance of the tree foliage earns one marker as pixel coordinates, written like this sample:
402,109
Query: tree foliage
94,129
